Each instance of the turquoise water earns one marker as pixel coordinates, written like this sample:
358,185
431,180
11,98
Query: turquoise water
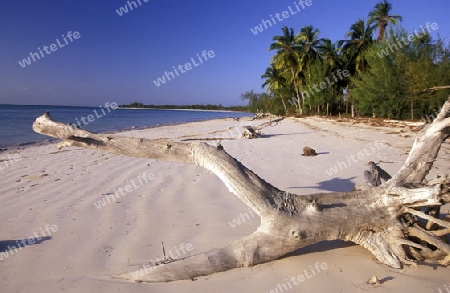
16,120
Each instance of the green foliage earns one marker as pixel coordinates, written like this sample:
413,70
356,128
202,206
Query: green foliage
134,105
380,18
262,102
391,77
258,102
315,73
396,82
378,90
353,49
276,84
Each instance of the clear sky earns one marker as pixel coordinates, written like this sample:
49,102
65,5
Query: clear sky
117,58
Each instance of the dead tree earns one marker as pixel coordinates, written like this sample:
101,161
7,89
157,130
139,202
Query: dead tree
373,218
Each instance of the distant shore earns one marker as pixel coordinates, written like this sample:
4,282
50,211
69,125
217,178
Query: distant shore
183,109
193,107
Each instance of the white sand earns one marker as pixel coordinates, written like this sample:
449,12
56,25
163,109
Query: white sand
187,205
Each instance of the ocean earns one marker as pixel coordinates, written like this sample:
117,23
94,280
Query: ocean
16,120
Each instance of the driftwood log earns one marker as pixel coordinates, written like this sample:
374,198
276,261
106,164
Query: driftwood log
388,220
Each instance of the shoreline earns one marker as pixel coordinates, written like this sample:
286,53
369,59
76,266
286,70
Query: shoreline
199,110
51,140
345,121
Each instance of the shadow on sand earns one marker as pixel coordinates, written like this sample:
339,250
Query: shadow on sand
335,185
9,245
321,247
286,134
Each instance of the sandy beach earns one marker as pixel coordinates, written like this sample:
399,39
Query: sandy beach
71,231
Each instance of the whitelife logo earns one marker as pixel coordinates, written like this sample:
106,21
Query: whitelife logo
416,35
265,24
29,241
53,47
90,118
296,280
206,55
308,92
113,197
359,156
185,248
122,10
9,161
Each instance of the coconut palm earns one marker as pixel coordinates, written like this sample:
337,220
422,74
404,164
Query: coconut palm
287,57
379,17
275,82
329,52
308,38
332,60
359,40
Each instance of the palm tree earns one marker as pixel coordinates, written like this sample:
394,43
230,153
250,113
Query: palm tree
287,57
308,39
329,53
379,17
275,82
359,40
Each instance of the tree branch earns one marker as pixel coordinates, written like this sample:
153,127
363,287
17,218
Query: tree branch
425,149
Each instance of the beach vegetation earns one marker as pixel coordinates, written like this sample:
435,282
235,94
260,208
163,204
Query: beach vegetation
392,73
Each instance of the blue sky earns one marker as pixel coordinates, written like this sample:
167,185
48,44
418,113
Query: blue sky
117,58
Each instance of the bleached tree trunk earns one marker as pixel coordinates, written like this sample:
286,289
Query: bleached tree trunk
383,219
284,105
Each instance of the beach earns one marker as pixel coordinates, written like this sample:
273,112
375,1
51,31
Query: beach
77,216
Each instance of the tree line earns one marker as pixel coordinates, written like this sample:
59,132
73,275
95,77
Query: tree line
218,107
378,69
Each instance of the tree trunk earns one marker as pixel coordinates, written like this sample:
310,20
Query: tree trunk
300,109
373,218
347,98
284,105
299,100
